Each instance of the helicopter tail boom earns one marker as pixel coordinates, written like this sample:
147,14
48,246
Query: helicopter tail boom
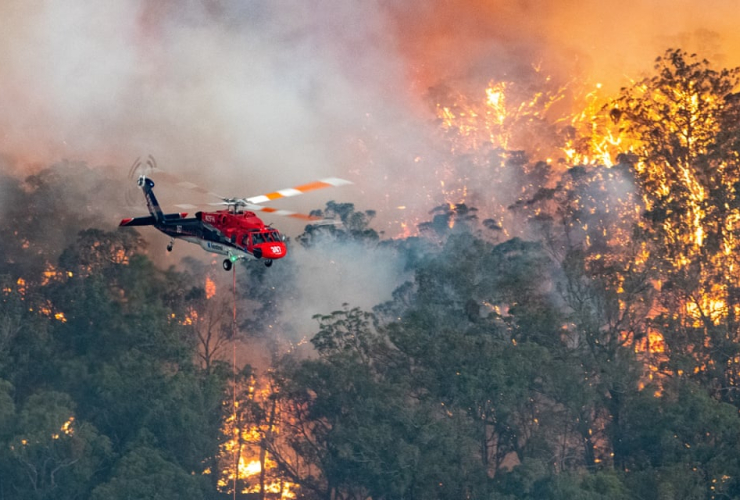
152,204
150,220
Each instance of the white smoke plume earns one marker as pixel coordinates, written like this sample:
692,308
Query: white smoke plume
330,275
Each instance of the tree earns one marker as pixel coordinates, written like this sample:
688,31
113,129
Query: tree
144,473
126,356
96,350
53,455
341,221
682,445
683,122
358,429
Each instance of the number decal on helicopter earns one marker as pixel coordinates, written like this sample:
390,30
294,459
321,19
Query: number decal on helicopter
276,250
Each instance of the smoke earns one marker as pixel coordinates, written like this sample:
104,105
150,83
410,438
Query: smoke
246,97
331,274
607,41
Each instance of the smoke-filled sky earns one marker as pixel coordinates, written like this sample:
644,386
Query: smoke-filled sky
246,96
607,41
254,95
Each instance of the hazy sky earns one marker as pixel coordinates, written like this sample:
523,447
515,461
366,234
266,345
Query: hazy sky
250,96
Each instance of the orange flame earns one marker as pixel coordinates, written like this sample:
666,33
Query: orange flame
247,443
210,287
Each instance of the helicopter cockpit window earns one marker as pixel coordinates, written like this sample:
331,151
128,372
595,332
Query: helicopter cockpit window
257,238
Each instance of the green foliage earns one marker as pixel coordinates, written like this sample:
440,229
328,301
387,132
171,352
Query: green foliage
535,480
358,424
684,444
51,454
346,331
7,410
96,360
342,223
143,473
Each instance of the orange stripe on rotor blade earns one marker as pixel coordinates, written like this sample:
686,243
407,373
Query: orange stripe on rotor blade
270,210
312,185
303,189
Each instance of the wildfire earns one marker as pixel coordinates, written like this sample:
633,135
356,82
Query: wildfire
513,138
707,309
512,117
662,130
21,286
245,452
190,318
210,287
51,274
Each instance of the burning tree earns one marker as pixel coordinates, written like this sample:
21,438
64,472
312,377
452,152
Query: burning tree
250,463
516,137
684,127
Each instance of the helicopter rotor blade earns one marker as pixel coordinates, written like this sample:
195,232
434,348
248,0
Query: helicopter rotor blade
253,203
259,208
281,212
295,191
288,213
150,169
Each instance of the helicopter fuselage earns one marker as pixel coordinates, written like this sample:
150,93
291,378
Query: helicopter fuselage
233,233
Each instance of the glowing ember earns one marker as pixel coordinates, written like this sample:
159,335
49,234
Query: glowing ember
21,286
191,317
210,287
47,309
66,429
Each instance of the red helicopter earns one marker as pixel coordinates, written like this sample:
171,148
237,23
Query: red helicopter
234,231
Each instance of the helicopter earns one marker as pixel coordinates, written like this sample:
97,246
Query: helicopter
235,231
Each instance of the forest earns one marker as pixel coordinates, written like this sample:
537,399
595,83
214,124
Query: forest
574,336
